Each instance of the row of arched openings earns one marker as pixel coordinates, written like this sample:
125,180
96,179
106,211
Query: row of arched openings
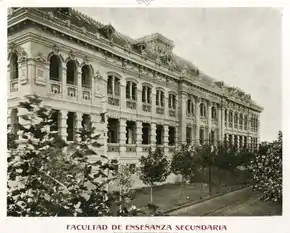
55,72
202,109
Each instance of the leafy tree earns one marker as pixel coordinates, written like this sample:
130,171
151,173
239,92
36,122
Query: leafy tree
183,163
205,159
45,181
227,158
267,170
125,183
154,168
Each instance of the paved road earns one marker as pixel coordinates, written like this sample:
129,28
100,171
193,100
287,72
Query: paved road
243,202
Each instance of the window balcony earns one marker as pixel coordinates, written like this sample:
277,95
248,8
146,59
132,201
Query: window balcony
14,85
55,87
131,148
131,104
171,112
145,148
71,91
113,101
146,107
160,110
113,147
171,149
86,95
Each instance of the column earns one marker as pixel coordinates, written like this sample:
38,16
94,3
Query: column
78,124
165,138
79,84
222,122
209,121
153,135
123,94
122,135
166,99
113,85
130,90
138,136
182,119
63,80
63,124
139,99
258,130
9,117
153,101
197,117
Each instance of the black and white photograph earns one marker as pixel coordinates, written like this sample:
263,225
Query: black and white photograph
142,111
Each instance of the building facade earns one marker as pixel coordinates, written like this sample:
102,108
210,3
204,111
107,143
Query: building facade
136,93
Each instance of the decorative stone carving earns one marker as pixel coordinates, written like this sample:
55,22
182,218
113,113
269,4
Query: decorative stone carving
13,48
128,47
72,55
55,49
124,65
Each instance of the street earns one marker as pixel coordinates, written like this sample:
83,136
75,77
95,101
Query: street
243,202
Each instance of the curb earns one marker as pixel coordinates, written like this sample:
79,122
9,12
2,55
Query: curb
202,200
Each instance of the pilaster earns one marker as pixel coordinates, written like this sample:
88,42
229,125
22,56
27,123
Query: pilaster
139,136
197,116
63,124
78,124
153,135
165,138
182,118
122,135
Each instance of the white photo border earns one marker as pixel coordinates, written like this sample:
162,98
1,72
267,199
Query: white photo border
234,224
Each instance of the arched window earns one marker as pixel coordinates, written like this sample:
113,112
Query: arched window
246,123
189,106
71,71
131,90
160,98
213,113
236,118
54,68
113,85
202,110
241,121
230,119
14,67
146,94
86,76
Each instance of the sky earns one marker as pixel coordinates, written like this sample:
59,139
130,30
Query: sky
241,46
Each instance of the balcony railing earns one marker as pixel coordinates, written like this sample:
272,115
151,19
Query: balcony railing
171,149
171,113
112,147
131,104
131,148
55,87
71,91
160,110
87,94
114,101
146,108
145,148
13,85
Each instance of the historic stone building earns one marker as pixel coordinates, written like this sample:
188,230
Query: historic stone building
136,92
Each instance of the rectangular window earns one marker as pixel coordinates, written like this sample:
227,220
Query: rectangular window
171,134
134,91
128,90
188,135
143,94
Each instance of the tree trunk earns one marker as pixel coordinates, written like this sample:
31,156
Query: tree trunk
210,179
181,188
151,194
